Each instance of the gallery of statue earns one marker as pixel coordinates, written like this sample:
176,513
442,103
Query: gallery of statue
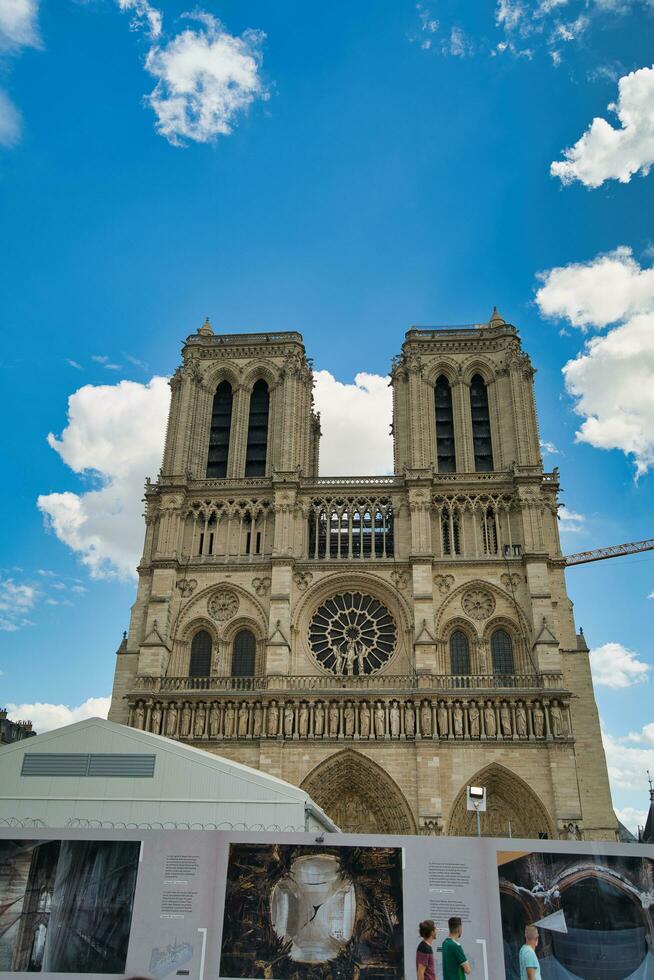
381,641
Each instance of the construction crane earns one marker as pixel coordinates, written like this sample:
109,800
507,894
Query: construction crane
613,551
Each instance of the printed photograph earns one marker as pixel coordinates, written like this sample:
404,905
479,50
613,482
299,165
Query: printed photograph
294,912
66,906
594,915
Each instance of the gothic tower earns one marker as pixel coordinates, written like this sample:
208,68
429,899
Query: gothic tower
381,641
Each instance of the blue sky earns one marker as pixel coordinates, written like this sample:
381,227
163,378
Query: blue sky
368,167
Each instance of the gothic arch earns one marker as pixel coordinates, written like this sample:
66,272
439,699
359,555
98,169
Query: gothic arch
449,369
510,799
196,607
481,366
260,371
225,371
452,602
359,795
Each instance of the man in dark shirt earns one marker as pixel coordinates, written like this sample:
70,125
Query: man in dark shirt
455,961
425,953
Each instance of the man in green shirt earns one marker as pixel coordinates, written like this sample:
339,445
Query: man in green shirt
455,961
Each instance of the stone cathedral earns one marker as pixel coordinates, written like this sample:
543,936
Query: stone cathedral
380,641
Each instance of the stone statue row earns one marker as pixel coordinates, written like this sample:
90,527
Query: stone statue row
338,718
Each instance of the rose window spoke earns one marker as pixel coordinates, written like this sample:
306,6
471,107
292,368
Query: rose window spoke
352,633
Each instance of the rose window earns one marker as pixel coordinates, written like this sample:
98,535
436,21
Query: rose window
352,633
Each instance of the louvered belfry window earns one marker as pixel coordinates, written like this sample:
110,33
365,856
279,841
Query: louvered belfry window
481,433
502,652
255,457
459,653
200,665
445,453
221,426
244,653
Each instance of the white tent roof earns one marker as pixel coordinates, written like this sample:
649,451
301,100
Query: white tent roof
183,774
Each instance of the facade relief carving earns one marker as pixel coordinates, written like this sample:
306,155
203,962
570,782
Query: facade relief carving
223,604
396,718
478,603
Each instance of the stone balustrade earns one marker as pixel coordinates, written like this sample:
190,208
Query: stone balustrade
366,682
447,718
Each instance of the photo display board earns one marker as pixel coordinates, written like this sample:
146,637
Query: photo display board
218,905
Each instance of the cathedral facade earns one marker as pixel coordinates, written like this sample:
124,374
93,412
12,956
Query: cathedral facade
380,641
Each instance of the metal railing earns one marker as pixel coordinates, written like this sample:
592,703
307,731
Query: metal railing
366,682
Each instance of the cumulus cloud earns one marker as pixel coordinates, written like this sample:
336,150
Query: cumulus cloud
18,24
627,764
10,123
632,818
569,520
144,16
605,152
612,379
17,599
45,717
114,435
205,78
614,666
355,420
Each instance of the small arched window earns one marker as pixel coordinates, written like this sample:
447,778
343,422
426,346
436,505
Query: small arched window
481,433
200,665
502,652
445,454
221,427
257,447
459,653
244,653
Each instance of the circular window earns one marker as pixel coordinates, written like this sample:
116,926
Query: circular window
352,633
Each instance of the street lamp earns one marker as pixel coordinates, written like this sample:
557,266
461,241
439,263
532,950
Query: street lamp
476,800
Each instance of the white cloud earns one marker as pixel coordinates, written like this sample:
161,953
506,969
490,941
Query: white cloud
549,448
10,123
355,420
459,45
16,600
144,15
569,520
632,818
45,717
608,153
74,364
114,433
18,24
99,358
205,78
627,765
613,376
614,666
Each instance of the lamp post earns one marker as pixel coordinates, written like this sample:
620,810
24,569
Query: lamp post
476,800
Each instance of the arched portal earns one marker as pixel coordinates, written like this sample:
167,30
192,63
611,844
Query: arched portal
510,801
359,796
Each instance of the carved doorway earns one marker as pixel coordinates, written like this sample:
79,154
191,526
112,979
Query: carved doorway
510,802
359,796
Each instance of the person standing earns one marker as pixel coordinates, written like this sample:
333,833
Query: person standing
529,965
425,953
455,961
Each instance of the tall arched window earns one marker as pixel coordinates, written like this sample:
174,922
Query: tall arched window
244,654
221,426
502,652
459,653
255,456
200,665
445,454
481,433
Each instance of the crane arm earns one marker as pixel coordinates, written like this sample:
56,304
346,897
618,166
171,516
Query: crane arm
613,551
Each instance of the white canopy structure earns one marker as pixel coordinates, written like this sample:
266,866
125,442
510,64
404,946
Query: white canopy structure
96,773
